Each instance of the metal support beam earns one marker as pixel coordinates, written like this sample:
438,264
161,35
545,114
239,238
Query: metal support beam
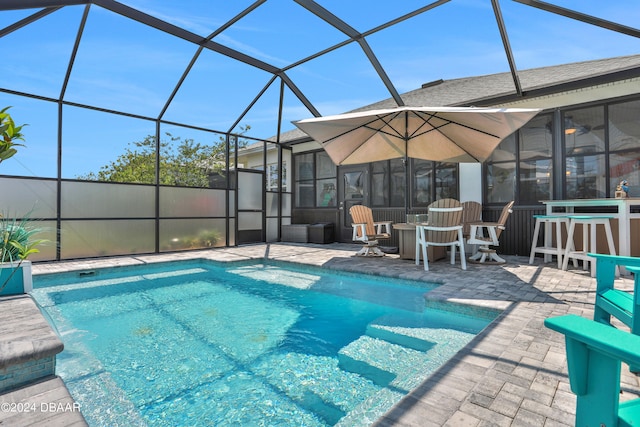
37,4
299,94
199,51
367,33
26,21
179,32
74,52
353,34
251,104
329,18
507,46
151,21
405,17
237,18
381,72
589,19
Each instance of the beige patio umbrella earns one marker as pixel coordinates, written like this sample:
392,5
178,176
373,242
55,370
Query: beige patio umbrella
442,134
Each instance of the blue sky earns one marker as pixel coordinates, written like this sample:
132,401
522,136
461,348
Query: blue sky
122,65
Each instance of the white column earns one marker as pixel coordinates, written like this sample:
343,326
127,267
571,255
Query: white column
471,182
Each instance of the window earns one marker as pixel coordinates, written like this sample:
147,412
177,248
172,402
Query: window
272,177
535,160
446,181
624,143
304,180
501,172
421,196
380,184
398,183
521,167
599,148
316,177
388,183
326,175
433,181
585,153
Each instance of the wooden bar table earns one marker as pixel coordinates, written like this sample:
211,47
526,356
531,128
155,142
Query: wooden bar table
626,212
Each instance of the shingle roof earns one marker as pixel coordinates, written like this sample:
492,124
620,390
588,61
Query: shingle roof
480,90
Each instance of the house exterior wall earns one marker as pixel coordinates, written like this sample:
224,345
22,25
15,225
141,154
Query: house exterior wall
516,239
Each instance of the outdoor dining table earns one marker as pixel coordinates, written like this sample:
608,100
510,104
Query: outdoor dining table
625,210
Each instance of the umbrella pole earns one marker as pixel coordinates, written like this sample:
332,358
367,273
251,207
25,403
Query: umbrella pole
406,164
406,185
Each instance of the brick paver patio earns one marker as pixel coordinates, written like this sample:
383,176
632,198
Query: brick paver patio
512,374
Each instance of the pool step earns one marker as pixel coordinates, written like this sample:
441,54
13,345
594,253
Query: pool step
406,330
380,361
309,381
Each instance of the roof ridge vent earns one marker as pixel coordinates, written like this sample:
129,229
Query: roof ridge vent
433,83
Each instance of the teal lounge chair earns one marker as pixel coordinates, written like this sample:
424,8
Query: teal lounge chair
615,302
594,355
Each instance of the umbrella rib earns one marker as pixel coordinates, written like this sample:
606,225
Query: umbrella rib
424,123
448,122
367,126
387,123
437,129
384,120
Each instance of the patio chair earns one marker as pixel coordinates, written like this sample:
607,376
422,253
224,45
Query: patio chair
615,302
594,354
368,231
471,213
444,229
486,235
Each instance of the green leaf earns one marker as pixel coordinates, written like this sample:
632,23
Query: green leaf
5,154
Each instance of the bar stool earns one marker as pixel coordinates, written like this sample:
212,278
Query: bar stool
589,229
548,249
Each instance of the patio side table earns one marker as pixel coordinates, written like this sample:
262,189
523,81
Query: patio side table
407,243
321,232
298,233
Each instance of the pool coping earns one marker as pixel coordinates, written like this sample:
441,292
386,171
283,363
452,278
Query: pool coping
512,373
32,393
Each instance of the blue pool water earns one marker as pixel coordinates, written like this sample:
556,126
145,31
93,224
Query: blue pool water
197,343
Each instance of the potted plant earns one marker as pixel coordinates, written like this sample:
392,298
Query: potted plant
16,245
10,133
16,236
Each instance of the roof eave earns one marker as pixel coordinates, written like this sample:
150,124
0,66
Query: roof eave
554,89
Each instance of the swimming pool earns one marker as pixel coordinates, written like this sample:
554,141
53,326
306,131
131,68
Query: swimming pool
201,343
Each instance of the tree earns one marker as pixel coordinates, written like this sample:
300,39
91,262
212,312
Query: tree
183,162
